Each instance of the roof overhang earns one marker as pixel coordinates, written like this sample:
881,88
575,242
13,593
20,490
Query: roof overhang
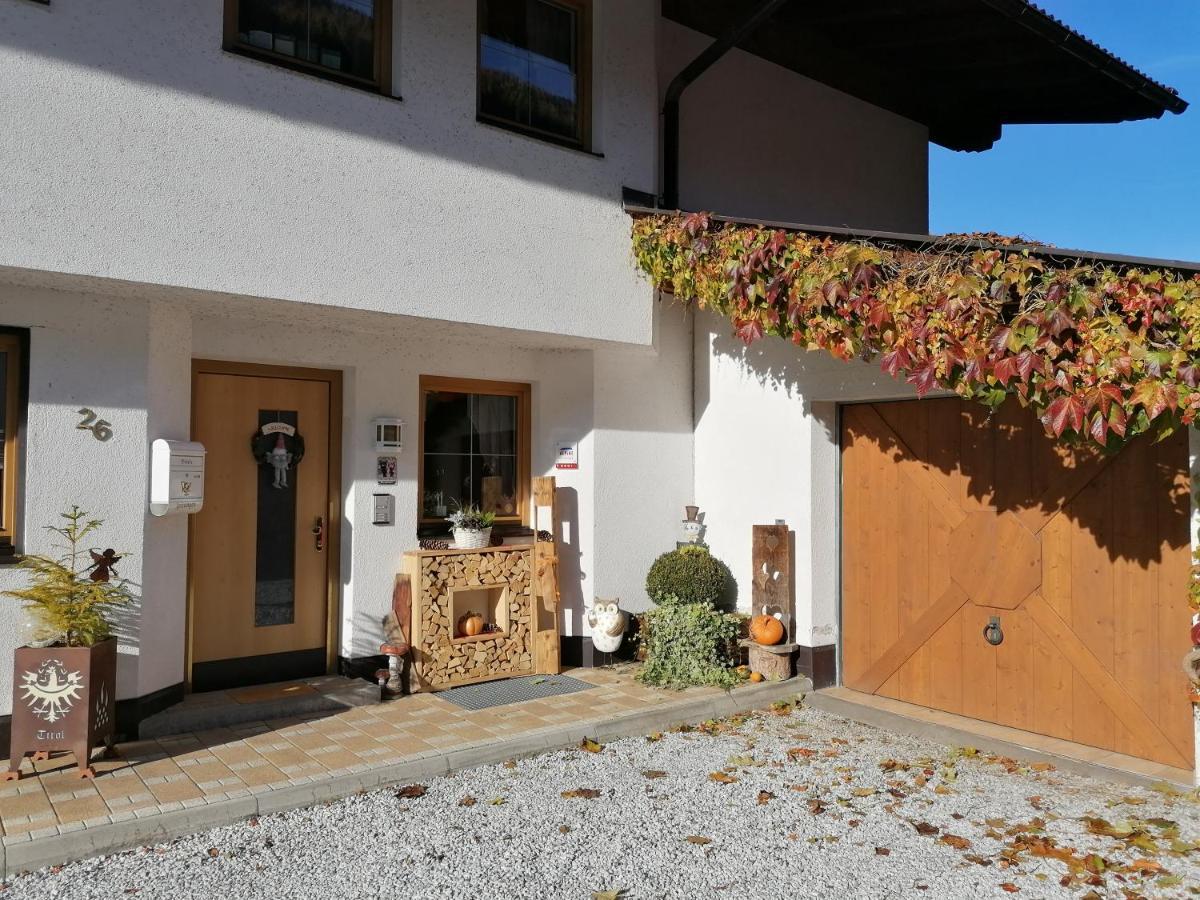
964,68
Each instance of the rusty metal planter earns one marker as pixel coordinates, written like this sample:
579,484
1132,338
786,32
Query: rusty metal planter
64,699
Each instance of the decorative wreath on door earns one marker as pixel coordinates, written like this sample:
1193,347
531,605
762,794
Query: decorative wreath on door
280,446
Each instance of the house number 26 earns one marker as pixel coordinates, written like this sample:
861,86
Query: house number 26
101,429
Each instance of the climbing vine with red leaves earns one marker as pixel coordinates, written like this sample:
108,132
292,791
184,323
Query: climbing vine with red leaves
1101,352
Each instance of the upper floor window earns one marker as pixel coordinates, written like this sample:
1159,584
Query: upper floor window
534,66
346,40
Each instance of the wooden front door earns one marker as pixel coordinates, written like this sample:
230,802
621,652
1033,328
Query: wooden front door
263,548
952,519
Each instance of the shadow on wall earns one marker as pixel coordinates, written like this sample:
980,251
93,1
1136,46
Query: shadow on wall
570,572
1002,461
183,52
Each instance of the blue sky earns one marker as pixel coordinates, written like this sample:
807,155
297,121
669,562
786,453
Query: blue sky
1129,188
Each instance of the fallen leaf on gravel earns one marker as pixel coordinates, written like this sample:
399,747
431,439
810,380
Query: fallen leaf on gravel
590,746
742,761
953,840
213,851
1145,867
815,806
924,828
654,773
1170,881
977,859
252,821
497,801
800,753
1036,802
1010,887
891,765
696,839
721,777
797,787
608,895
765,797
581,794
863,792
655,737
882,851
1042,767
510,764
564,829
411,791
943,790
467,801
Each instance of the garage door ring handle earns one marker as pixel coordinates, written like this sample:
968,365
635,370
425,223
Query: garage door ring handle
992,632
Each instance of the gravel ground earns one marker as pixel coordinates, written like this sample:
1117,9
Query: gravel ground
803,804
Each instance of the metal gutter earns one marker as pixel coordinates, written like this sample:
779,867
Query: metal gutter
922,241
689,74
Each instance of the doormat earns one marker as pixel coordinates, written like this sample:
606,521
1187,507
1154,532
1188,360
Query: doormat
270,692
513,690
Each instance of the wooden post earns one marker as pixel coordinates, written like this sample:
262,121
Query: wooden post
772,581
546,593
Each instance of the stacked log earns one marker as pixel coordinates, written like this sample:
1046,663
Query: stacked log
443,661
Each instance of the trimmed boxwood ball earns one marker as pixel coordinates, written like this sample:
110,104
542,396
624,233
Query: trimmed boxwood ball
688,575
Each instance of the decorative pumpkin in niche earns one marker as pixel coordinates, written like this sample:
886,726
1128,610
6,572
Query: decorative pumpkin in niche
766,629
470,625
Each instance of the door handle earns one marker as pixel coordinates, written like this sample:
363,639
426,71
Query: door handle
993,633
318,531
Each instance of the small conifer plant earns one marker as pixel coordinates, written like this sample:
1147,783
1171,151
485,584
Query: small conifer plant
72,597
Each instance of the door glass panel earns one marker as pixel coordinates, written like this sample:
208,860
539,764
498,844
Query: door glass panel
275,558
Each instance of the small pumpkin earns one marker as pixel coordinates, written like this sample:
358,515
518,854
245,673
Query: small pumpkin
757,677
470,625
766,630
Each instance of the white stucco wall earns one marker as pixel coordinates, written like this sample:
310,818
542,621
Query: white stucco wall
767,448
133,147
759,141
84,352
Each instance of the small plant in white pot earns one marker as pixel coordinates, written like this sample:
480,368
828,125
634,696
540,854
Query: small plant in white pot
472,527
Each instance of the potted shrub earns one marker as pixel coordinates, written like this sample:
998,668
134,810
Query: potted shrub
472,527
64,680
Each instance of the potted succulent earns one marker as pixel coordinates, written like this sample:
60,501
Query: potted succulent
472,527
64,682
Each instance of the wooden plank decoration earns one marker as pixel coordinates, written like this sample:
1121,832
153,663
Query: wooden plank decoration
772,582
547,660
954,523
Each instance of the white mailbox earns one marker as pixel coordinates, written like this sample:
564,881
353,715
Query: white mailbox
176,477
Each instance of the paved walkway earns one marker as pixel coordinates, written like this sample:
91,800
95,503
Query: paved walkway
174,785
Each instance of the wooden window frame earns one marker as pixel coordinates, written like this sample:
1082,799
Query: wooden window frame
583,116
381,84
523,394
15,343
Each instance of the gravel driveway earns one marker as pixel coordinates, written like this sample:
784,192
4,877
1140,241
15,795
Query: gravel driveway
790,803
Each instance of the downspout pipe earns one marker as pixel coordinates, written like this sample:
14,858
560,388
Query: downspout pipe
689,73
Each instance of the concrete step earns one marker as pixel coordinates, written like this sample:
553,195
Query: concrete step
219,709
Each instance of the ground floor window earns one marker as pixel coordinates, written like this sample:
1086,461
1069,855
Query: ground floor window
474,447
12,416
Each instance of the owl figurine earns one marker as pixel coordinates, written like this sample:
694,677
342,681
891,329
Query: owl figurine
608,622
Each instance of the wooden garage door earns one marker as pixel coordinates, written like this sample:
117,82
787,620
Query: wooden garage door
950,518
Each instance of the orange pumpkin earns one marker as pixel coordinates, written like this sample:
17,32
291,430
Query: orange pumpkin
757,677
766,630
471,624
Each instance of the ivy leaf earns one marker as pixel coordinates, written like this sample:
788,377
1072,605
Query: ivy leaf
924,377
1005,369
896,360
1064,413
1099,429
749,330
1153,397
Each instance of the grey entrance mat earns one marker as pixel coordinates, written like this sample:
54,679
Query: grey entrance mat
513,690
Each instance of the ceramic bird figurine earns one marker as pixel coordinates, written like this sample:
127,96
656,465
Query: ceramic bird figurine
608,622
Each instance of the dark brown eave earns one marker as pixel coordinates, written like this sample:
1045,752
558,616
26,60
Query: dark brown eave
964,68
1059,255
